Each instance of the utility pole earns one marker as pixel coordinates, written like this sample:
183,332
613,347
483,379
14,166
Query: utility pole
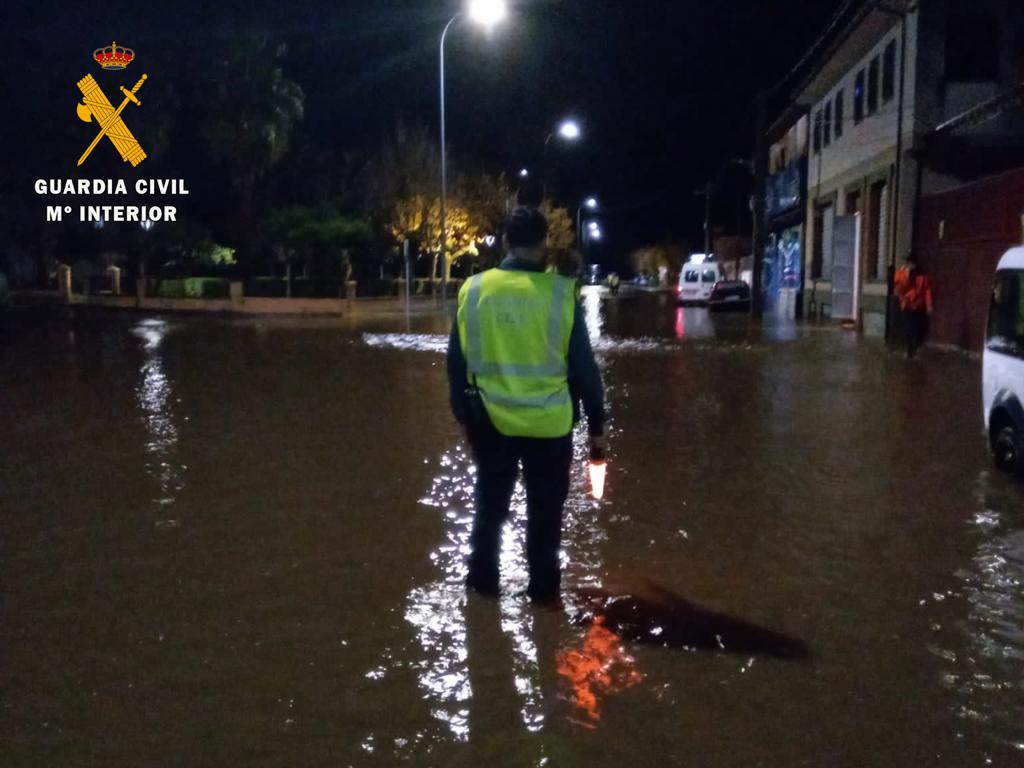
760,178
707,219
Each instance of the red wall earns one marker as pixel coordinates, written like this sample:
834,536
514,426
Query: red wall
982,220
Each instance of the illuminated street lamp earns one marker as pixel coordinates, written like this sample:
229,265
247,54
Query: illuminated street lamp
524,173
487,14
569,131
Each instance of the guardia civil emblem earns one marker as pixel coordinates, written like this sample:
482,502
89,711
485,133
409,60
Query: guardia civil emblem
96,106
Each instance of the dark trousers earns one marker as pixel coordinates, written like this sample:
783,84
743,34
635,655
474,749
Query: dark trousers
546,464
917,330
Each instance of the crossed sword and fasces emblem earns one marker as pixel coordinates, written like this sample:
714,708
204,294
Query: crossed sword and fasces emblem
96,106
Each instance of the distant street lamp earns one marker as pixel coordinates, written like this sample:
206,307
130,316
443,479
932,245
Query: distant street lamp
591,205
524,173
485,13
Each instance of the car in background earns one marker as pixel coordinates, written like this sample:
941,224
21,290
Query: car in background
729,295
696,280
1003,364
646,280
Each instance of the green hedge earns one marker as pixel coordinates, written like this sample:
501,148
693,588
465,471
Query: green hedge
194,288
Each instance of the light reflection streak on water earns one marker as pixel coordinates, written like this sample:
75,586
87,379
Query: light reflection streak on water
591,298
412,342
154,397
988,682
437,610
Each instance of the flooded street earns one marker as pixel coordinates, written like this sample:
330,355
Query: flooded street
241,542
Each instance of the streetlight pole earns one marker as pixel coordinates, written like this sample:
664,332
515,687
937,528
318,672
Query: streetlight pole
444,174
487,13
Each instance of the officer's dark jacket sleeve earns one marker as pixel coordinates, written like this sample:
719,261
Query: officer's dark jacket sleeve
584,376
457,381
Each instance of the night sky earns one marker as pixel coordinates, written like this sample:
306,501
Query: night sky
664,88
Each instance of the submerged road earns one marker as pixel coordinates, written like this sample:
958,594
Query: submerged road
240,542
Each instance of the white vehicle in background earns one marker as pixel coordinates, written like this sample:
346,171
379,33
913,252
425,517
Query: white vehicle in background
1003,364
696,279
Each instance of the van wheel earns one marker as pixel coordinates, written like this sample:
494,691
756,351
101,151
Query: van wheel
1008,452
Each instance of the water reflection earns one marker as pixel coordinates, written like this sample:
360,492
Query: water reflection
591,299
438,611
694,323
485,664
154,397
597,669
438,343
987,681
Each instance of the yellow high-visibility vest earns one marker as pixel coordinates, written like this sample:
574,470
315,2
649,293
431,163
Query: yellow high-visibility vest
514,328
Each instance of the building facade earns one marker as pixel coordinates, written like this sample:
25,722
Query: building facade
875,88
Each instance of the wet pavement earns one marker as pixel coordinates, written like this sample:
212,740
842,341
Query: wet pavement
241,542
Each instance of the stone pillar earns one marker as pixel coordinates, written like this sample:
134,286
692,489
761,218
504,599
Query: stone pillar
114,275
236,292
64,281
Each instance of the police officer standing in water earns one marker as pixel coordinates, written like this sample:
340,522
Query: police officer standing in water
519,363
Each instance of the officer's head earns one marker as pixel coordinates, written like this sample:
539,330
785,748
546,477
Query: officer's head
526,233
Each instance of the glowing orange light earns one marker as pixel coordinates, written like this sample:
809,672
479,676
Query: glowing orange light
598,470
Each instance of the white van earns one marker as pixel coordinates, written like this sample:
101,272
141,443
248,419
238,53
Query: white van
1003,364
696,280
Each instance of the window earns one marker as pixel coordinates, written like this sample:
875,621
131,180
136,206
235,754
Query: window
1006,317
691,276
709,276
972,48
828,123
889,72
858,98
817,131
873,86
840,98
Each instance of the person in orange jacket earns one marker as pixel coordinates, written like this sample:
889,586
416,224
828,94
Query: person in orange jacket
914,291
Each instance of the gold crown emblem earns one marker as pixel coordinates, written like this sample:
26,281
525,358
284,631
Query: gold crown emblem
113,56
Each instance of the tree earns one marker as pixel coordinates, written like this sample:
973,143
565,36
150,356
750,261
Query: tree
320,237
651,259
418,219
185,247
254,111
405,166
561,231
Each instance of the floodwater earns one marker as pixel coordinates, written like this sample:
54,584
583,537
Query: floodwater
241,542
